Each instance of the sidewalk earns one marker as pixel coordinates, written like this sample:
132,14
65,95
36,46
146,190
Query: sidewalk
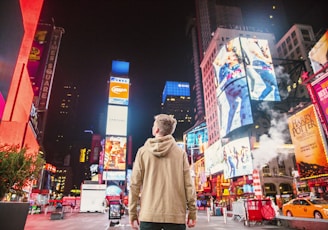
100,221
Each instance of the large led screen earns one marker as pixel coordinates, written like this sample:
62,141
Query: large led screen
260,73
318,54
234,107
237,158
213,159
120,67
114,175
309,144
196,140
119,91
320,87
38,55
117,120
176,88
115,153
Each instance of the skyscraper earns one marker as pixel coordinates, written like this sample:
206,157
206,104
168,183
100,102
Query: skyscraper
176,101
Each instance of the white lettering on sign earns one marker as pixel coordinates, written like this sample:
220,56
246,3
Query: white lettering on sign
118,90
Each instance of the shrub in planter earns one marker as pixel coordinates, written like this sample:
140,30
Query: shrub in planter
18,167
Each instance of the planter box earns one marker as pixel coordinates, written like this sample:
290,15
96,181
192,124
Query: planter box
13,215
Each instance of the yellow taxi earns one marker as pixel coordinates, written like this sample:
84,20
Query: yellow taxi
306,207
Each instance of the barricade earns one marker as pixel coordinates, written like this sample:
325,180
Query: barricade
239,210
258,210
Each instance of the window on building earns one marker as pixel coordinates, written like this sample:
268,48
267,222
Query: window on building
266,170
306,35
281,167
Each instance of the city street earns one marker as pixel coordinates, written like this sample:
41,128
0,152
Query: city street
99,221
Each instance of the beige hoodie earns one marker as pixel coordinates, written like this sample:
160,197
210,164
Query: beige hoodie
162,170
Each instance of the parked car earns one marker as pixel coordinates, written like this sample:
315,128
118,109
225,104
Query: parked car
306,207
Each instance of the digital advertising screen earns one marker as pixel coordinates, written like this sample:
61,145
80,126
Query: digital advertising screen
234,107
228,65
214,161
114,175
262,81
176,88
38,55
318,54
119,91
120,67
309,144
320,87
115,153
196,140
117,120
237,158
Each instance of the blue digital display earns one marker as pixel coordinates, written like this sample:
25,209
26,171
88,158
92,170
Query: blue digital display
120,67
176,88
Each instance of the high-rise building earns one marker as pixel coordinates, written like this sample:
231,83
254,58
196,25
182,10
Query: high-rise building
176,101
211,14
60,141
295,45
62,123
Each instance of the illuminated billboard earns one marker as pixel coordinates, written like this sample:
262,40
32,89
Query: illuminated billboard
114,175
214,162
231,88
309,144
318,54
175,88
234,158
234,107
318,91
115,153
117,120
120,67
196,140
119,90
38,56
237,158
259,69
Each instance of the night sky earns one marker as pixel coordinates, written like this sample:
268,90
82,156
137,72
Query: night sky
150,34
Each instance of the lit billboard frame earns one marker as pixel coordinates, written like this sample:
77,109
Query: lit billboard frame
259,69
119,91
196,140
117,120
309,144
232,88
176,88
234,158
115,153
114,175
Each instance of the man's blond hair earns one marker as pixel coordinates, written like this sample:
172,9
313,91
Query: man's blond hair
165,123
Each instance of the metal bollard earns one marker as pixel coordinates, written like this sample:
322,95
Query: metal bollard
224,210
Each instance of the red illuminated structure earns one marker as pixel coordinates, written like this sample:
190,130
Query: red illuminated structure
17,93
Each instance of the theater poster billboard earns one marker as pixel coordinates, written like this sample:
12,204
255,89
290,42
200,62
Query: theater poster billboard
309,144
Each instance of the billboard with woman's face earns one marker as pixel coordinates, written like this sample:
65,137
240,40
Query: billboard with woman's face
234,106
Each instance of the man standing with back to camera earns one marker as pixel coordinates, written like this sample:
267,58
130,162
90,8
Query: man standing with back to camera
161,175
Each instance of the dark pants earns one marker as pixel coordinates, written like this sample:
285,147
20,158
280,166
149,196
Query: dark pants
161,226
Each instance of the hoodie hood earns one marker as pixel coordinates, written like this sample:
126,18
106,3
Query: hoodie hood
159,146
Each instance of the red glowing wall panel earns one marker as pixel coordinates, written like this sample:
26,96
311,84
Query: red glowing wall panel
14,128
